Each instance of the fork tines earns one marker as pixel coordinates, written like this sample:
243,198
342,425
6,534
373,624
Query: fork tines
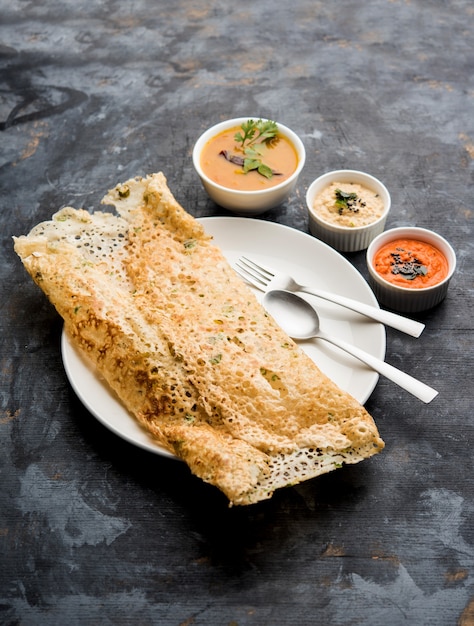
256,274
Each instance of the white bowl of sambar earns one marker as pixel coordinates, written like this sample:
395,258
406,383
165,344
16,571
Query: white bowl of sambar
249,165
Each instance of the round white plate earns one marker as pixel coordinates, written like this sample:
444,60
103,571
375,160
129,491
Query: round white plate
311,262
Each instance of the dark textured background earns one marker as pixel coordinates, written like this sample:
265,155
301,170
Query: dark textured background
95,531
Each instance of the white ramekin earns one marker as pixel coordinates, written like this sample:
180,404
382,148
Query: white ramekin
345,238
406,299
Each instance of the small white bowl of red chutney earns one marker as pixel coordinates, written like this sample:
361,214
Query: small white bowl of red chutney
249,165
410,268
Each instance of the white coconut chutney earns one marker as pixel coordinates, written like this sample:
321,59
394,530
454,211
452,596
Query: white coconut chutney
348,204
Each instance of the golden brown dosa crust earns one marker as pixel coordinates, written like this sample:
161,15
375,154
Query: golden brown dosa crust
187,347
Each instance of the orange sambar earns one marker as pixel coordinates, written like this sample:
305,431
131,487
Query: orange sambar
280,156
411,263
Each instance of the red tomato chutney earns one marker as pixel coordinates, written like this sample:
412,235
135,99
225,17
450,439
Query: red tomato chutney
411,263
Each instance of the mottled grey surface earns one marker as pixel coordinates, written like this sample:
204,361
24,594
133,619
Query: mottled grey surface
93,530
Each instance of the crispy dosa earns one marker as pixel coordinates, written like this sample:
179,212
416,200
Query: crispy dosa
186,346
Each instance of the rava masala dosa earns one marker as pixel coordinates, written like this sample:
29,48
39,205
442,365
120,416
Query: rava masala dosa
153,304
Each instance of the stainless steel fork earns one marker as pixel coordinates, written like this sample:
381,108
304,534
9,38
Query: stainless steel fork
265,279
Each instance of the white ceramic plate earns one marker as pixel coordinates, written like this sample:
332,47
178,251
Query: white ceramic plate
311,262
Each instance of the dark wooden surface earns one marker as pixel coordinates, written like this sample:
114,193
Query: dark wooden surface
95,531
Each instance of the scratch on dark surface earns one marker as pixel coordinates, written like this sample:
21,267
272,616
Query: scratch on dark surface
39,131
455,576
39,102
390,558
8,416
333,550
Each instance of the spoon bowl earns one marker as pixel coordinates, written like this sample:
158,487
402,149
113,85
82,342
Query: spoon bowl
293,313
300,320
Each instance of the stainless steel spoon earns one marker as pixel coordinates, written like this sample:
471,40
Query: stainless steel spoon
299,319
